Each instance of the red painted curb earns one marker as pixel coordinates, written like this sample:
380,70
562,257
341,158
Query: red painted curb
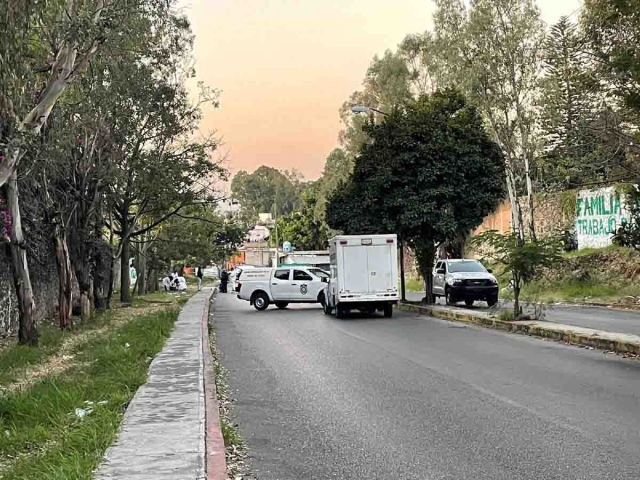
216,463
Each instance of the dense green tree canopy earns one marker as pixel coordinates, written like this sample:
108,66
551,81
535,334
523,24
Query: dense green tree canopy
302,228
267,190
429,173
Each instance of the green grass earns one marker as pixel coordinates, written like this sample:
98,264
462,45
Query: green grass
230,434
506,315
40,435
590,251
414,285
17,356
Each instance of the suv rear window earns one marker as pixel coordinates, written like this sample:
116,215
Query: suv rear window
282,274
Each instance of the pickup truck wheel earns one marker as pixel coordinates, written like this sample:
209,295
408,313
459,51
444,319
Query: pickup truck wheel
282,305
261,302
449,297
491,301
388,310
468,302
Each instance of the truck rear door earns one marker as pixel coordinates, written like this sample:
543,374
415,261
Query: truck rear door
355,262
379,267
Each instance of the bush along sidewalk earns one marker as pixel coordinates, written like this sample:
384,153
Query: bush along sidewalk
235,447
59,427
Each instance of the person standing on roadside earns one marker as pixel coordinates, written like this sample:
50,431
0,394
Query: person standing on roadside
200,275
224,279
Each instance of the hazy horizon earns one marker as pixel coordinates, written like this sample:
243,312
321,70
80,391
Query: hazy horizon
285,68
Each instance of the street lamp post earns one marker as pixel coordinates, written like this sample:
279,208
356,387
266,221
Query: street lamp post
364,109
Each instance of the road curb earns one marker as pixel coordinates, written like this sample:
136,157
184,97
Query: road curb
565,333
216,465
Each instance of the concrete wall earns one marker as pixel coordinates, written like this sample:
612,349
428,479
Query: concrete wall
599,213
592,214
44,279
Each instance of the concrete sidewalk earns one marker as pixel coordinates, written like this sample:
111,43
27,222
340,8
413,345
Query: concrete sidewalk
164,429
584,316
604,340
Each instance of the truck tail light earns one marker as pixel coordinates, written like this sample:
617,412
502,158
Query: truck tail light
343,242
389,240
238,287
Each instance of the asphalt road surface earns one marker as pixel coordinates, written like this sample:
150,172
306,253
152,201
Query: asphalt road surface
600,318
418,398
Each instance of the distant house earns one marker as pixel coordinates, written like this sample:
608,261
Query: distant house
258,234
228,207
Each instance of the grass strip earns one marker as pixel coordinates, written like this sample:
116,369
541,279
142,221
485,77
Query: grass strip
61,426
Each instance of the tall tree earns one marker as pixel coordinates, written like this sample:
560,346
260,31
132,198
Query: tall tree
44,48
337,168
612,28
386,84
568,108
302,228
267,190
493,50
429,173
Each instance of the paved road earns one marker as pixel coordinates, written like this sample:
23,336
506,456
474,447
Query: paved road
417,398
620,321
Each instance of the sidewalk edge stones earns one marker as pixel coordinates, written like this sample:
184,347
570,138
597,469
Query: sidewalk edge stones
214,442
565,333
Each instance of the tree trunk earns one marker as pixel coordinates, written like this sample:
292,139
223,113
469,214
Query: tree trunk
425,253
125,279
112,276
516,297
85,306
142,271
27,333
517,224
100,274
154,280
100,299
65,292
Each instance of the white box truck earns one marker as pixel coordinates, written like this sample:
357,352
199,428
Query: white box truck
364,274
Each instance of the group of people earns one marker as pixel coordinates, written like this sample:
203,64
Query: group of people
174,282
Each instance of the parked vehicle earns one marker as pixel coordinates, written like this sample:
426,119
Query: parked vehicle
364,274
234,276
468,280
282,286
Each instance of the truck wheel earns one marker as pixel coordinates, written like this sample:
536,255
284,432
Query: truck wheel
341,312
449,298
388,310
468,302
282,305
261,302
326,308
491,301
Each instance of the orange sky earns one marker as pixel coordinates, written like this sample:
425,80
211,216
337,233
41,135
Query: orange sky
286,66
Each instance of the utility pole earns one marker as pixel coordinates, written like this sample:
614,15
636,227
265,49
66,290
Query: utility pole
402,286
276,220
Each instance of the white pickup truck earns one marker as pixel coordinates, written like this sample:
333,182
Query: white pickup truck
282,286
